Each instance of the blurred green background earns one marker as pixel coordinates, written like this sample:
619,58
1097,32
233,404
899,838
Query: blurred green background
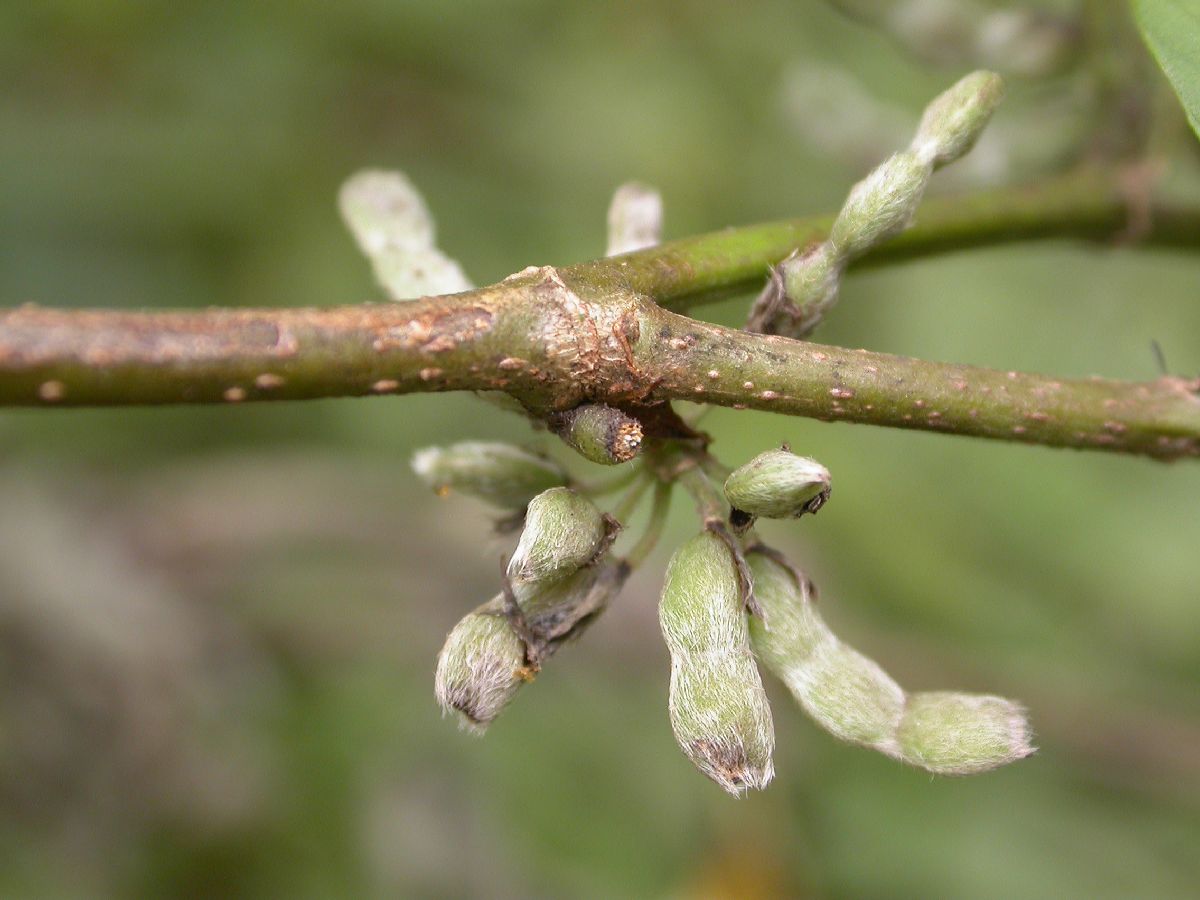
218,626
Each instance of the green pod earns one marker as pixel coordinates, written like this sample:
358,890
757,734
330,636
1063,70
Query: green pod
963,734
480,668
563,532
718,708
842,690
503,475
778,484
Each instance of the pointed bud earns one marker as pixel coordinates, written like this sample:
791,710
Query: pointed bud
778,484
503,475
635,218
844,692
599,433
718,708
955,119
963,734
563,532
480,667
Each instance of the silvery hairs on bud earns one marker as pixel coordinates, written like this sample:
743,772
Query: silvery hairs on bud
563,532
843,691
503,475
718,708
635,218
963,734
479,667
878,207
484,662
778,484
394,229
851,697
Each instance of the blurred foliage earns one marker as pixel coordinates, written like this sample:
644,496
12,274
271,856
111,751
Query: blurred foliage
218,626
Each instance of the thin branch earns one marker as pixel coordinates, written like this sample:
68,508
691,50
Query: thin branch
553,338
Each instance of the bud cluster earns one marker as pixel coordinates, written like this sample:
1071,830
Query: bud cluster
557,581
805,285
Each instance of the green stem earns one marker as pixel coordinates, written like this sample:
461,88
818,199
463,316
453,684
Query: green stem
602,332
1090,204
660,506
712,364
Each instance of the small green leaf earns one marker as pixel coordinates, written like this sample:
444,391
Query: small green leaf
1172,31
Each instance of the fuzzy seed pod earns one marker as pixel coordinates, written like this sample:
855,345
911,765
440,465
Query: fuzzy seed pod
963,734
851,697
503,475
563,532
778,484
479,668
846,693
718,708
599,433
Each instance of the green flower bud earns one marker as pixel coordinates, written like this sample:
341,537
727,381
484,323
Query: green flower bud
844,692
718,708
484,662
778,484
563,532
480,668
599,433
962,734
953,122
881,205
634,218
503,475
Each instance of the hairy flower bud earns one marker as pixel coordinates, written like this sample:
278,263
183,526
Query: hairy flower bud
484,662
480,667
851,697
962,734
778,484
503,475
718,708
599,433
563,532
881,205
844,692
955,119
